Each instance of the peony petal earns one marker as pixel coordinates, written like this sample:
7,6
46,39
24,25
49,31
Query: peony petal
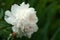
23,5
9,20
29,34
32,18
14,9
8,13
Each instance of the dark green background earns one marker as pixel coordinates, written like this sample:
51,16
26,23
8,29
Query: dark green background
48,12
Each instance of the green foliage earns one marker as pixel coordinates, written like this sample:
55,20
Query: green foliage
48,13
1,13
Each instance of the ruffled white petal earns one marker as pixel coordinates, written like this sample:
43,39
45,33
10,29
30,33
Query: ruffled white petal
14,9
9,17
23,5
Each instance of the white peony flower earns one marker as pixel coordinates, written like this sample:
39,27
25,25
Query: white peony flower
23,18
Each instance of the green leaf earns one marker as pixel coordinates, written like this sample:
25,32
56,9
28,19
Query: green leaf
9,3
1,13
40,8
50,15
56,36
3,25
32,2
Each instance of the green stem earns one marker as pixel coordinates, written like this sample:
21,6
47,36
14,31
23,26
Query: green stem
9,37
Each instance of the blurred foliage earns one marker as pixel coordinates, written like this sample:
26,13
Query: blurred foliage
48,12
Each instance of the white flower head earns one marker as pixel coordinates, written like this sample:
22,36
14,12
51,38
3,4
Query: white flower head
23,18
